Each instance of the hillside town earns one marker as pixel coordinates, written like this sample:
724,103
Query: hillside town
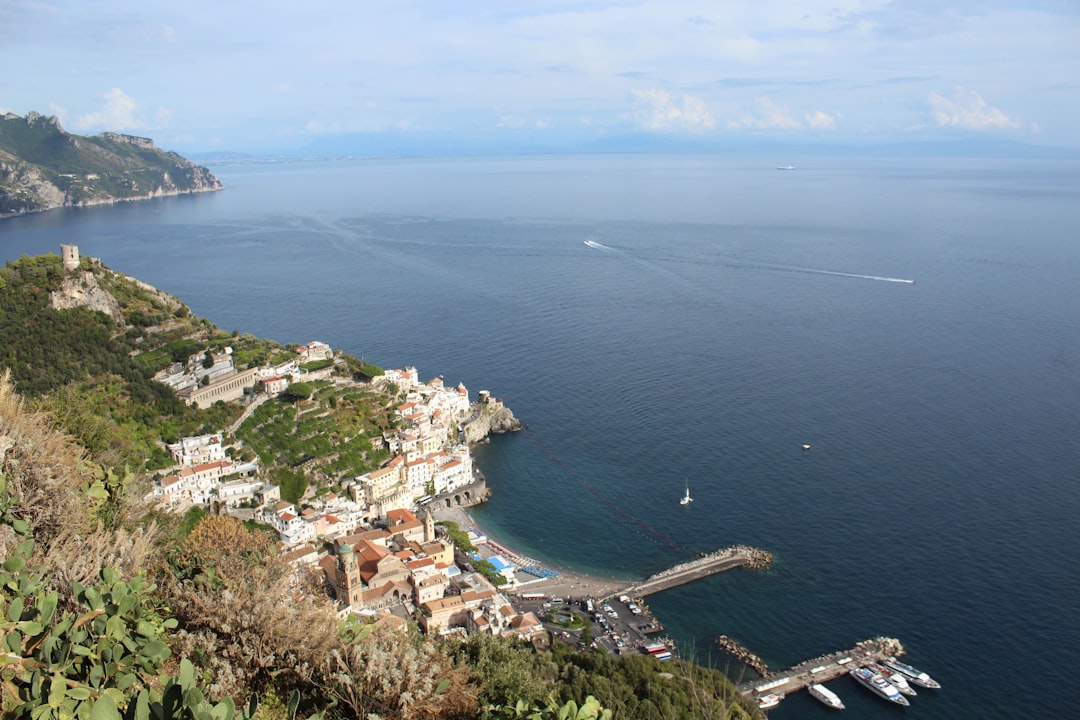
374,545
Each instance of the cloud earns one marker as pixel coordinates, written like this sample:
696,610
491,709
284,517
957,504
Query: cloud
118,113
967,109
819,120
766,115
657,111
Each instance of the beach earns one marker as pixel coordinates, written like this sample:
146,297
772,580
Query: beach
567,584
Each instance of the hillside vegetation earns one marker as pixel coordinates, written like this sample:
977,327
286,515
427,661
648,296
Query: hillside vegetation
110,608
42,167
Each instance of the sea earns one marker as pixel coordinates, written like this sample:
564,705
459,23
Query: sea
671,322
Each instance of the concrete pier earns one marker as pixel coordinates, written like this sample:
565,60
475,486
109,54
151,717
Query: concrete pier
716,562
822,669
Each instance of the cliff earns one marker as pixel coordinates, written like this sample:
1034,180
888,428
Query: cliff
493,417
81,289
43,167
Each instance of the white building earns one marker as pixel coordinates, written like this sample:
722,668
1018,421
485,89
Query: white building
197,450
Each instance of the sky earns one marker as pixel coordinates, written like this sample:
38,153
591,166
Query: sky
277,76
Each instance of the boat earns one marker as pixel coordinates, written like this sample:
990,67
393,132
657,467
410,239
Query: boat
913,674
786,167
686,499
805,448
767,702
826,696
894,678
878,685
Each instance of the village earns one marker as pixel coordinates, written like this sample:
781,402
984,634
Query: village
374,545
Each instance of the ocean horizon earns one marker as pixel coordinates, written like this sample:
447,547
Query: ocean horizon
664,321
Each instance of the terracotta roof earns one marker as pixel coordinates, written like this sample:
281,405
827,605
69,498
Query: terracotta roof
397,517
445,603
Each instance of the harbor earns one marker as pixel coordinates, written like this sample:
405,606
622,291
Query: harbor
768,690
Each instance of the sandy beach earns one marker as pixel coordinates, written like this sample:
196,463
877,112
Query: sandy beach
568,584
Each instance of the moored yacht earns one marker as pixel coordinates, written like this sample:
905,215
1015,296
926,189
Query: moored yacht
894,677
826,696
878,685
913,674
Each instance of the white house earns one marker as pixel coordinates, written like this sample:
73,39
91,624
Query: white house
197,450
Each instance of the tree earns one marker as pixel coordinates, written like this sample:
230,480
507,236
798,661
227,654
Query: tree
208,359
298,391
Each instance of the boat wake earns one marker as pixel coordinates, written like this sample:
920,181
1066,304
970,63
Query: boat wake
851,275
599,246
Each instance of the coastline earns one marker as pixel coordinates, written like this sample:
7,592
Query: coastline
567,584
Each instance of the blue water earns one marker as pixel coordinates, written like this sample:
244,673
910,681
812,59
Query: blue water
725,314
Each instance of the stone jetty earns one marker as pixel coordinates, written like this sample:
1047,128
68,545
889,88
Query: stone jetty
742,653
710,564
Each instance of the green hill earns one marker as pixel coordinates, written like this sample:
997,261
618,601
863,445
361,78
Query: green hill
42,167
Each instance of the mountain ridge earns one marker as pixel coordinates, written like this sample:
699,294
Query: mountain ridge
42,167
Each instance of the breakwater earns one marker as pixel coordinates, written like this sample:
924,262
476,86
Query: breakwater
743,654
710,564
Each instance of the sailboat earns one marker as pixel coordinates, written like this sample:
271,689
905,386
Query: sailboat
686,498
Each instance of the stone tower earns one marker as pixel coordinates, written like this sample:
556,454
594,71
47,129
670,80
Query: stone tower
69,256
429,527
349,574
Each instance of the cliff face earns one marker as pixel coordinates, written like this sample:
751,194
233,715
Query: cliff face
43,167
81,289
494,417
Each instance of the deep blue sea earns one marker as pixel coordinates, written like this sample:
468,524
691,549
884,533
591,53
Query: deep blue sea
722,314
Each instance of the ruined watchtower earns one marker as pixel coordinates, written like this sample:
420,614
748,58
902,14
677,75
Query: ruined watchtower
69,256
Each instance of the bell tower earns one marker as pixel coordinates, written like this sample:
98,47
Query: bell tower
429,527
349,574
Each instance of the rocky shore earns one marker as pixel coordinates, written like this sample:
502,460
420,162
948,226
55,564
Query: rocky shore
491,417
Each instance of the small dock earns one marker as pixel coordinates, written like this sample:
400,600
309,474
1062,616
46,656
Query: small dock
715,562
822,669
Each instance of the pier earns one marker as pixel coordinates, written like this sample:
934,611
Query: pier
715,562
822,669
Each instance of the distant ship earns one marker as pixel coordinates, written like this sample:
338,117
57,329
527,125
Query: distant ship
914,675
785,167
895,678
878,685
826,696
686,499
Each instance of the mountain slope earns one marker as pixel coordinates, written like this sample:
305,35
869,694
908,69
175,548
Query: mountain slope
42,167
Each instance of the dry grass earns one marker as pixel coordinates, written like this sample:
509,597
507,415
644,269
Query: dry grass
241,616
44,469
394,675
